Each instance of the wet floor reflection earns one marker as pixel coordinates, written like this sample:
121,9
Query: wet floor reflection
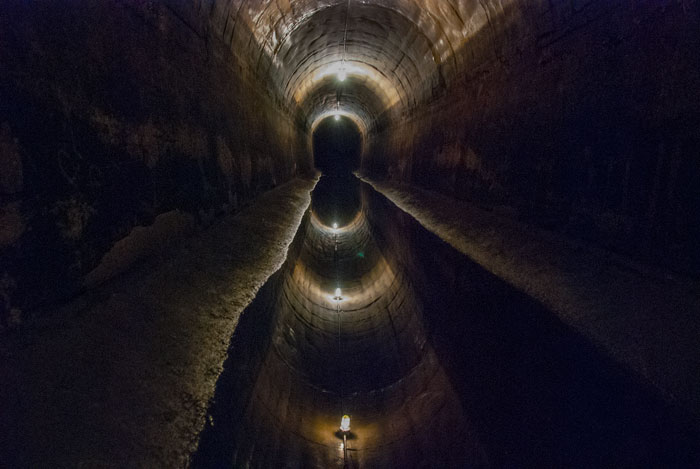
438,363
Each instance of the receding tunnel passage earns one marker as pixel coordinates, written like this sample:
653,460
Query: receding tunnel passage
470,226
337,146
437,363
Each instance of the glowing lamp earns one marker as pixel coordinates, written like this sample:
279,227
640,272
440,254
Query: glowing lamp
335,226
342,75
345,423
337,117
337,296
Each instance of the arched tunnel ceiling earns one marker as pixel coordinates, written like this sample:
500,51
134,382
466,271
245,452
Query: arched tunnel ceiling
355,98
394,52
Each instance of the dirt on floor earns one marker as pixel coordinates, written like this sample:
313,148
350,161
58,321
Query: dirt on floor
122,375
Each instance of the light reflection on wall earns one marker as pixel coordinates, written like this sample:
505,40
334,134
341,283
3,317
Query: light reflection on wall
331,112
378,82
395,47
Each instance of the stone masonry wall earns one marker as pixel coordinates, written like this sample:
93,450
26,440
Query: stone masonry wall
582,117
111,114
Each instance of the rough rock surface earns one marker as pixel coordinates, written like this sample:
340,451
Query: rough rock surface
111,114
135,362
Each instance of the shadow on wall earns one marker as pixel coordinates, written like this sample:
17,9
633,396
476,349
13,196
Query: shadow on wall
111,115
584,121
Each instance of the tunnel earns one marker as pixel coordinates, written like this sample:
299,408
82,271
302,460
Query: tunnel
349,233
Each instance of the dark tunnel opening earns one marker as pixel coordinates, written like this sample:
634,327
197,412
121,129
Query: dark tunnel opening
438,362
336,200
337,145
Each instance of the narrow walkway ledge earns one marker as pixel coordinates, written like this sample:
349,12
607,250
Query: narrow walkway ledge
138,360
647,320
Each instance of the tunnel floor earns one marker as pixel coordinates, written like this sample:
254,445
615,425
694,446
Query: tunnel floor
121,376
438,363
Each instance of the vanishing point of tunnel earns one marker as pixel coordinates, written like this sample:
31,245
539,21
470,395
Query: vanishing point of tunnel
349,233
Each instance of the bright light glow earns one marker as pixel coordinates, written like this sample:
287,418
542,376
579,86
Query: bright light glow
343,69
338,295
342,113
337,117
335,226
345,423
384,88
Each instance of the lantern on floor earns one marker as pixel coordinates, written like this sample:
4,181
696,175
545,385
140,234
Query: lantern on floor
345,423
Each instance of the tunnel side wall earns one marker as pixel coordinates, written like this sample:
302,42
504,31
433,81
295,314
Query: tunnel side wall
113,114
579,117
517,367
